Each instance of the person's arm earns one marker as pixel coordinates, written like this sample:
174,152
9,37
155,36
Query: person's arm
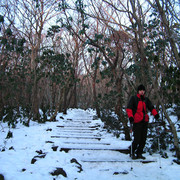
152,109
129,110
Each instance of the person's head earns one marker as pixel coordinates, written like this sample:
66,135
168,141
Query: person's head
141,89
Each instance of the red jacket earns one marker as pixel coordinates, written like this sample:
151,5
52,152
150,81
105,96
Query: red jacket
137,108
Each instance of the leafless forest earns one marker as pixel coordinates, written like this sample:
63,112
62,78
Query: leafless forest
60,54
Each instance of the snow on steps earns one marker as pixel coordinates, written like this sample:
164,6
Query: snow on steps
87,142
83,136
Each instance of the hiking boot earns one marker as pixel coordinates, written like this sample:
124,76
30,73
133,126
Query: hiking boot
140,156
133,156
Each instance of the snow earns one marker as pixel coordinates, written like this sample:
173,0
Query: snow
76,130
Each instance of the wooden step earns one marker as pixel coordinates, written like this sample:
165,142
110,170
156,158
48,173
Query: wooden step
67,149
79,127
119,161
78,137
77,131
98,143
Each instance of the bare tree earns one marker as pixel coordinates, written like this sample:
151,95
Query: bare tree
32,16
114,55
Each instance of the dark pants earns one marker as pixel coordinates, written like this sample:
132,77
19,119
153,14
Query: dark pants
140,135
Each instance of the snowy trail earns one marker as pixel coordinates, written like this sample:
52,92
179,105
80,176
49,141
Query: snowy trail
94,149
78,144
86,135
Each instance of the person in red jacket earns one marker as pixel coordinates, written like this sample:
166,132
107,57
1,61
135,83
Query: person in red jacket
138,117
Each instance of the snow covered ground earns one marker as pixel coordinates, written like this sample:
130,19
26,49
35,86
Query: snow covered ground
31,153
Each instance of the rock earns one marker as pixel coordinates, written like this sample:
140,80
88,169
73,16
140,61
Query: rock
79,165
59,171
41,155
66,150
123,172
9,135
23,169
3,149
39,152
11,148
33,160
54,148
49,142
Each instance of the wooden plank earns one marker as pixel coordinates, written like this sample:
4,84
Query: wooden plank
98,143
80,137
126,151
80,127
77,131
120,161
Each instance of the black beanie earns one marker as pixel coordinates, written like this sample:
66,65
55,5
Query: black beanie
141,87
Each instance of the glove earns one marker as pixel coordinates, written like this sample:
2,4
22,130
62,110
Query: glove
131,119
142,98
156,116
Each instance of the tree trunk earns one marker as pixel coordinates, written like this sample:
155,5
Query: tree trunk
1,106
172,127
74,96
96,104
65,97
119,111
34,113
35,100
58,106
